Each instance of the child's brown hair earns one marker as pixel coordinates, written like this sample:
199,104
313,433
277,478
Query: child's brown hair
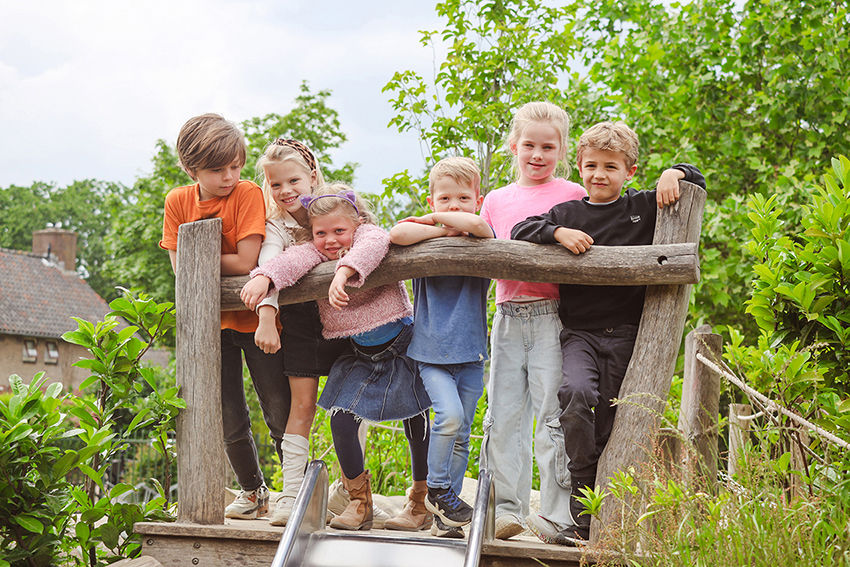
209,141
613,136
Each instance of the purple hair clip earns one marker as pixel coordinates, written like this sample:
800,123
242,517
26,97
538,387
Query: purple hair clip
347,195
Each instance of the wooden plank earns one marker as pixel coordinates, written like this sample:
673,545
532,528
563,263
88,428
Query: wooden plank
200,449
676,263
647,381
739,433
255,543
698,416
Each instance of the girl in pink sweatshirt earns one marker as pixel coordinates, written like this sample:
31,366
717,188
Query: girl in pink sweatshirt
376,380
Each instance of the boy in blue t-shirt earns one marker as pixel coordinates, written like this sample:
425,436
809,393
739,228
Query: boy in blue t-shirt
449,344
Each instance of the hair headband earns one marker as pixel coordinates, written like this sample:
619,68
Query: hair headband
302,150
346,195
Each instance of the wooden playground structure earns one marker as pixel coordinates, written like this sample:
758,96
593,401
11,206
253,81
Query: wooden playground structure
669,267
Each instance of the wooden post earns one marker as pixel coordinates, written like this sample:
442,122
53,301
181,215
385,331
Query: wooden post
698,417
739,432
200,450
650,371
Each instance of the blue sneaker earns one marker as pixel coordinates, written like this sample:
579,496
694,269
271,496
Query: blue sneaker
453,511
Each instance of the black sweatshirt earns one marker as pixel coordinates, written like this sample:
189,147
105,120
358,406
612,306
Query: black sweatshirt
628,221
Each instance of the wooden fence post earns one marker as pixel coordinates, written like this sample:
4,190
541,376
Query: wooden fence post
647,381
698,417
200,449
739,431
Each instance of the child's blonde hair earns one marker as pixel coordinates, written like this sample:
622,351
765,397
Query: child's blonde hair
209,141
613,136
462,169
333,203
282,151
547,113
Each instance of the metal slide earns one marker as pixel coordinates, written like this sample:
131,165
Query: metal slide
307,543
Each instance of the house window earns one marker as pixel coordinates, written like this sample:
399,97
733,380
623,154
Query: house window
30,352
51,354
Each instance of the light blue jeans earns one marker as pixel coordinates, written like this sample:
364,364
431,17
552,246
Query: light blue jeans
454,390
525,373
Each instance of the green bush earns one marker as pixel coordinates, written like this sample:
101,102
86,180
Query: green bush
35,503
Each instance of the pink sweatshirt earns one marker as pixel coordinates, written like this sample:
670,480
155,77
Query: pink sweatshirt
505,207
365,310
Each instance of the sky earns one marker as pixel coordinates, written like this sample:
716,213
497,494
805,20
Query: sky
87,87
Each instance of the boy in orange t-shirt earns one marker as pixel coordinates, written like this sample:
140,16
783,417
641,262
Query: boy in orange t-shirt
212,151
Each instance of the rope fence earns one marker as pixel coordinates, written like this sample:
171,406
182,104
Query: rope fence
768,403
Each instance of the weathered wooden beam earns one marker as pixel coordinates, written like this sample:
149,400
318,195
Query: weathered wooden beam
502,259
739,432
698,416
200,449
647,381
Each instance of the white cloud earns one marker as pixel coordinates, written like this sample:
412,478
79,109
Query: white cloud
87,87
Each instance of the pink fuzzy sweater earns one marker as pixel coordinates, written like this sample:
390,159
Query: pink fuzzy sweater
366,310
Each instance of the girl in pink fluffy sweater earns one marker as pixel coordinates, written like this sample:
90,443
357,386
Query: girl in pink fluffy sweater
376,380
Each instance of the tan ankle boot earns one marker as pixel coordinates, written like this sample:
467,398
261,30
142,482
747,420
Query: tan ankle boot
414,516
358,514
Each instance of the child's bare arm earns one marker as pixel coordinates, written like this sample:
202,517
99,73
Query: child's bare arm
468,223
255,291
412,230
266,336
172,255
336,292
245,259
573,240
667,190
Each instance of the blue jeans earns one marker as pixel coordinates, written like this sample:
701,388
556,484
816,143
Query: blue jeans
454,390
525,373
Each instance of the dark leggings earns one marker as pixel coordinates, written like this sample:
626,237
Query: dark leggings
344,426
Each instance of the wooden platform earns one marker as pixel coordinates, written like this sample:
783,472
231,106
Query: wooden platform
252,543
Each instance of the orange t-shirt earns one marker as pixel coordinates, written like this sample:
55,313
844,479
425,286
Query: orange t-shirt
243,213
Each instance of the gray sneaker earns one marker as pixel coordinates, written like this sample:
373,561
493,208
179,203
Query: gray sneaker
545,530
439,529
249,505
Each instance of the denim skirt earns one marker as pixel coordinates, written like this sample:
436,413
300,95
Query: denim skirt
381,387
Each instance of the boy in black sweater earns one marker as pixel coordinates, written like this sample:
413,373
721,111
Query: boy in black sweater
600,322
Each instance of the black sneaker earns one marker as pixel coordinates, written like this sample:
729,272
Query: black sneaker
439,529
576,508
577,536
444,503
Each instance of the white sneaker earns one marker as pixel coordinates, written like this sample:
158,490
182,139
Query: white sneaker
507,526
379,517
282,511
249,505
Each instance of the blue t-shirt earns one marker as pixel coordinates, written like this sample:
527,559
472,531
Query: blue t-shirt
449,320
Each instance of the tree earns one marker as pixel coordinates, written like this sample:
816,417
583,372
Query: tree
755,94
502,54
84,207
311,122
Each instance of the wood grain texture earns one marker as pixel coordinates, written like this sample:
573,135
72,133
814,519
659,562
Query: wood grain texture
177,545
698,416
502,259
650,371
200,451
739,434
